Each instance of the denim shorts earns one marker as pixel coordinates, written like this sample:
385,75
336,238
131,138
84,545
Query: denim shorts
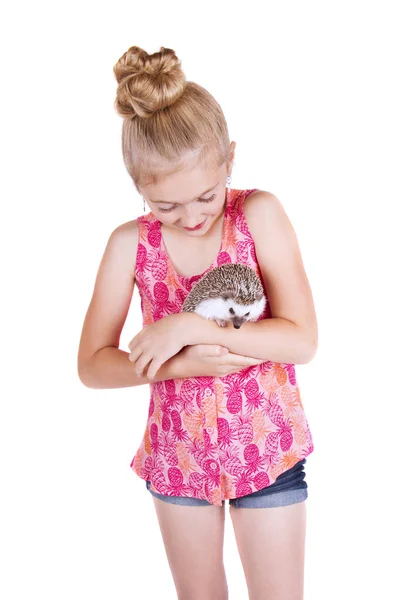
289,488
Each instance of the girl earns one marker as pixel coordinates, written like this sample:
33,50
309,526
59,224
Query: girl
225,420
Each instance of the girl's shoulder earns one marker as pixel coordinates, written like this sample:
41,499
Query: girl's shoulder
128,231
126,240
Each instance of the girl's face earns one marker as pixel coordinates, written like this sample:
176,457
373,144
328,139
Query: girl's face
189,197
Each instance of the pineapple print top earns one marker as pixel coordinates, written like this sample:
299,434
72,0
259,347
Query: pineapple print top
214,438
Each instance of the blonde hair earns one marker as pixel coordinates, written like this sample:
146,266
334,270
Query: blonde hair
165,116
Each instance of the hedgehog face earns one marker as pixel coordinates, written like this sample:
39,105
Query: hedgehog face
239,313
236,317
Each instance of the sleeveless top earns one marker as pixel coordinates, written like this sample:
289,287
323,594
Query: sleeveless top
214,438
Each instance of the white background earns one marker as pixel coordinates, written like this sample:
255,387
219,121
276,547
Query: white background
310,93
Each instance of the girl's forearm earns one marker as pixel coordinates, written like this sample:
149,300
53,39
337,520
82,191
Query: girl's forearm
274,339
111,368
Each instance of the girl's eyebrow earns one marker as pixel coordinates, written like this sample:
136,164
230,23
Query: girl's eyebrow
166,201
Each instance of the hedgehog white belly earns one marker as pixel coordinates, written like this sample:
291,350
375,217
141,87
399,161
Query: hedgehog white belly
212,308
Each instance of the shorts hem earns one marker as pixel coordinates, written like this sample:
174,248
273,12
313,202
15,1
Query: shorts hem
283,498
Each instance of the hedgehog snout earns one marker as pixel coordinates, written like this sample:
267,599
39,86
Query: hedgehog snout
237,322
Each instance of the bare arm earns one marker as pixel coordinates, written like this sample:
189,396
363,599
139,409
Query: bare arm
111,368
275,339
101,364
291,335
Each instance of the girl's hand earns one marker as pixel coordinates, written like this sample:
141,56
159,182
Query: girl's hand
158,342
213,361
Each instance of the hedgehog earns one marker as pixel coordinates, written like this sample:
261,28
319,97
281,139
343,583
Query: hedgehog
231,292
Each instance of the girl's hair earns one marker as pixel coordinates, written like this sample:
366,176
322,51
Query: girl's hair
165,116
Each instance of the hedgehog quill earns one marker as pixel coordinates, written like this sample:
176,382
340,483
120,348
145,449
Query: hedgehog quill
231,292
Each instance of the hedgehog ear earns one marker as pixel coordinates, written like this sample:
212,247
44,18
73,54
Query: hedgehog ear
227,295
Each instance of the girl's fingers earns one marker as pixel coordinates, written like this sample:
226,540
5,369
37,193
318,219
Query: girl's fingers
255,361
134,342
209,350
223,350
141,364
131,344
244,360
153,368
236,359
135,355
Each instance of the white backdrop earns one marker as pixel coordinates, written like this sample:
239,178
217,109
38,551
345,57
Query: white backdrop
310,92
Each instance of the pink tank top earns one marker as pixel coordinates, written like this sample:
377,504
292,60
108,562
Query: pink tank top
214,438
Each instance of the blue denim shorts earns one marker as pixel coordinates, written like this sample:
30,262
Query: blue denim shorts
289,488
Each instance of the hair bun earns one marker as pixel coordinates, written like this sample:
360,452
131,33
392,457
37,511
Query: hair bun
147,82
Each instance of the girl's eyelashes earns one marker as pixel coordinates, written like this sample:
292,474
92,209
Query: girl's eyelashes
200,200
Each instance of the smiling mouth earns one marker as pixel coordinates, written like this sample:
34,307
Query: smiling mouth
197,226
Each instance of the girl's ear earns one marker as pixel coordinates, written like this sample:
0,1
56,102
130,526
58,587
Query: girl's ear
232,154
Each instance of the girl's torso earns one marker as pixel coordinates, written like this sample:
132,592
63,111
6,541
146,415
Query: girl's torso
207,437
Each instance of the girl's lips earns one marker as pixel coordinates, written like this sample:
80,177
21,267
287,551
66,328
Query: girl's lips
197,226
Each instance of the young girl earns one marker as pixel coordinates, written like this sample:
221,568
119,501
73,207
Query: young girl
225,419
